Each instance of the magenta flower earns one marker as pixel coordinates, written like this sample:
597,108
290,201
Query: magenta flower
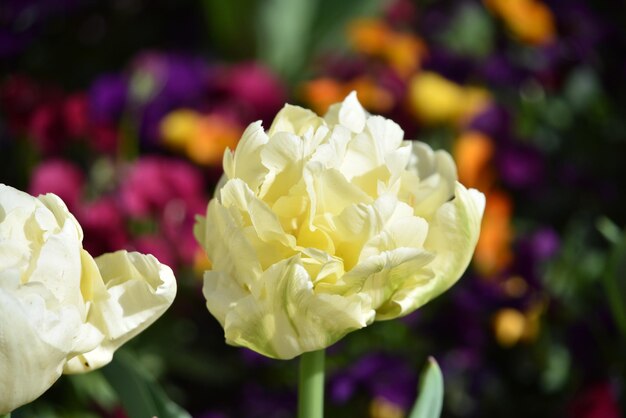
103,225
60,177
257,92
153,182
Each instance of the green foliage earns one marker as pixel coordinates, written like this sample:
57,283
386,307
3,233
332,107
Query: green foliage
430,398
614,277
290,32
139,393
471,32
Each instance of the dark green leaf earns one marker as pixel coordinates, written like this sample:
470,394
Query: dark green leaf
139,393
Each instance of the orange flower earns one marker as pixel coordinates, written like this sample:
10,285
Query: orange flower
473,152
201,262
402,51
493,251
319,94
323,92
530,20
369,36
212,136
203,138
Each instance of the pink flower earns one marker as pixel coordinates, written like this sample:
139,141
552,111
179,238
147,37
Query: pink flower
104,138
153,182
47,129
103,226
596,401
257,92
75,115
177,226
157,246
60,177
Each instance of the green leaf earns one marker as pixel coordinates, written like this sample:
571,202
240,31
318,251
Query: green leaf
137,390
430,398
582,88
291,32
613,278
230,26
93,387
557,369
284,28
471,32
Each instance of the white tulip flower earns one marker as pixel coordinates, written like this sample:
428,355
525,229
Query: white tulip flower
322,225
61,310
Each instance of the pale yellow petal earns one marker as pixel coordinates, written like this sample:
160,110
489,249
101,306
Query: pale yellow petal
234,255
296,120
236,194
386,276
139,290
288,318
245,163
348,113
452,237
36,335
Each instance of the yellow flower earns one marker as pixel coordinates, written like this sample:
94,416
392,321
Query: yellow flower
178,127
61,310
511,326
435,99
322,225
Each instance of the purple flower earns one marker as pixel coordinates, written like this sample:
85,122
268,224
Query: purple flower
379,375
494,121
260,402
161,82
107,98
531,251
520,166
498,71
449,65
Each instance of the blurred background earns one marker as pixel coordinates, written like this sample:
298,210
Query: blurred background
124,108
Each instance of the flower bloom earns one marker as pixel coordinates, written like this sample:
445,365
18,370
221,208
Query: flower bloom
61,311
323,225
435,99
531,21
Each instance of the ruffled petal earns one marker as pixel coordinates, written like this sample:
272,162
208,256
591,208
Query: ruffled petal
286,317
36,335
452,237
245,162
139,290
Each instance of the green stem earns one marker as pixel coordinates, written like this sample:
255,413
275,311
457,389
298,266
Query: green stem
6,415
311,385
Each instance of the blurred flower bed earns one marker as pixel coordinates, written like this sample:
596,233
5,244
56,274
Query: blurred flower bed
124,109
